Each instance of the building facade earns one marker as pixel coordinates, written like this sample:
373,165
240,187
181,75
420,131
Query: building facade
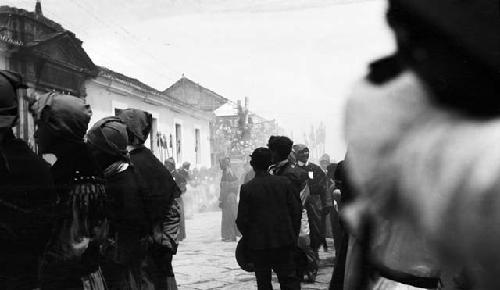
181,116
51,58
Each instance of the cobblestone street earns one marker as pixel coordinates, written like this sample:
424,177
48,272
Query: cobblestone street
205,262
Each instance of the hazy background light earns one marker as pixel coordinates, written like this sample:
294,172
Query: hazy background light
296,60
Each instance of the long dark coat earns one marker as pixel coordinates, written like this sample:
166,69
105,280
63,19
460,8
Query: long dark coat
269,213
315,203
27,196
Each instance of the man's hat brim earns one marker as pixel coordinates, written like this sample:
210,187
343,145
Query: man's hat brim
473,25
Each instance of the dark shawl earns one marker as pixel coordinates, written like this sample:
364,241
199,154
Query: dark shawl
126,210
26,198
160,186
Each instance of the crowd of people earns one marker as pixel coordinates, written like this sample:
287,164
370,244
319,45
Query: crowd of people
418,202
285,201
414,204
100,211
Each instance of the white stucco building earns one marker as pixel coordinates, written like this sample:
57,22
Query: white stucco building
181,114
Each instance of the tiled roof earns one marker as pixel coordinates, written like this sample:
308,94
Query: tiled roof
103,71
184,79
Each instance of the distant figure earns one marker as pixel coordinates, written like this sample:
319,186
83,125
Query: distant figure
269,217
180,178
327,183
315,204
228,201
184,170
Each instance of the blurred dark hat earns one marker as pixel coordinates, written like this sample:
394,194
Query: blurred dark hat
110,136
473,24
454,47
9,83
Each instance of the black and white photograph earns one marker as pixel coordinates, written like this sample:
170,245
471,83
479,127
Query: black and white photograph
249,144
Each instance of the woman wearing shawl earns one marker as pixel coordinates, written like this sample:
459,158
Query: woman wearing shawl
228,202
71,261
160,193
129,224
27,197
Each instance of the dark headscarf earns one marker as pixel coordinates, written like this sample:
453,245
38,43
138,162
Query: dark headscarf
110,136
9,83
454,48
66,116
138,123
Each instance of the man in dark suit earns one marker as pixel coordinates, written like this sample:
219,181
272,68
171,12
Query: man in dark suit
269,217
281,147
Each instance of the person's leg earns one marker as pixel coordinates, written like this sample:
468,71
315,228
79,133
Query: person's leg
263,273
286,268
264,276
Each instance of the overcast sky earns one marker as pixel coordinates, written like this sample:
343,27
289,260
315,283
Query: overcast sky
296,60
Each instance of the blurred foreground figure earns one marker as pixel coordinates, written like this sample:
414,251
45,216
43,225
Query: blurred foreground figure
423,133
228,201
161,190
342,236
72,257
269,203
27,197
129,227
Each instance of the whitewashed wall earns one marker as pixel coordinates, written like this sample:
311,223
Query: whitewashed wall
104,99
